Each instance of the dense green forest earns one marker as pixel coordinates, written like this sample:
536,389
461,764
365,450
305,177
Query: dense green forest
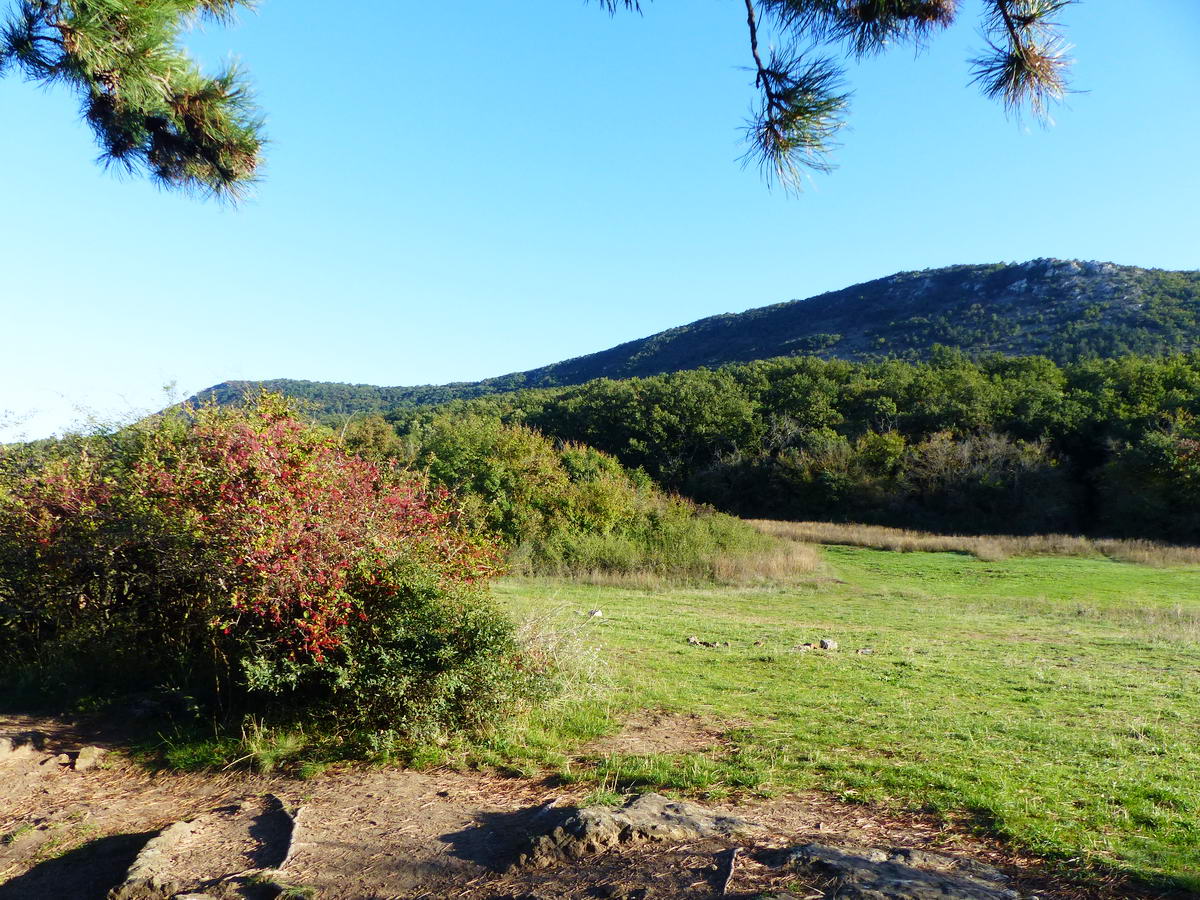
1043,396
1065,310
998,444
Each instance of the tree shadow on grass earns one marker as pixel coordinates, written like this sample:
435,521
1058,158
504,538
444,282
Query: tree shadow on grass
85,873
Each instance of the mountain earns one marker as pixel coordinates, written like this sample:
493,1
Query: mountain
1064,309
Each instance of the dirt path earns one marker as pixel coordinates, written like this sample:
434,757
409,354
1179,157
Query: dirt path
391,833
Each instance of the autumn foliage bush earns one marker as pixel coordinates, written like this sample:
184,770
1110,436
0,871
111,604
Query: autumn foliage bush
247,558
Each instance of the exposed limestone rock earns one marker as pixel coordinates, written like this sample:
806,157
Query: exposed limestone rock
88,758
901,874
150,876
650,817
229,852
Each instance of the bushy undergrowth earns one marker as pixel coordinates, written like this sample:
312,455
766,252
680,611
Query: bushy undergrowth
568,509
247,560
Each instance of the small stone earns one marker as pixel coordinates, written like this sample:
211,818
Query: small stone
88,758
865,651
61,759
828,644
759,643
596,614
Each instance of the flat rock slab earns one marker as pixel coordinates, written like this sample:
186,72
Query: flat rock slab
209,852
900,874
649,817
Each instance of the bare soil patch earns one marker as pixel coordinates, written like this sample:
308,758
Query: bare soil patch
379,834
651,732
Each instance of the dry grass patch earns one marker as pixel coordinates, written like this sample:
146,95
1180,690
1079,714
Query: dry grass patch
784,560
990,548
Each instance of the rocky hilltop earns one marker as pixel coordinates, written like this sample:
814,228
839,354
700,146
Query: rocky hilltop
1064,309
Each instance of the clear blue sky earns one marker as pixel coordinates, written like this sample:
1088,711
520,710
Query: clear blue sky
458,190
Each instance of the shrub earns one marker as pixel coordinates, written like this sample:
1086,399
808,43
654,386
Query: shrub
566,508
1152,486
987,483
246,558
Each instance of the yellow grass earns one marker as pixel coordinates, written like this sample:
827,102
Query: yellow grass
987,547
783,561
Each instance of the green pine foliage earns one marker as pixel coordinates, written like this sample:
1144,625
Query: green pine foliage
149,105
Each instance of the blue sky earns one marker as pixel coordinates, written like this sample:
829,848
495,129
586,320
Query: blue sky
455,191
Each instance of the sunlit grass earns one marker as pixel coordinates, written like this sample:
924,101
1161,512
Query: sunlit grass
1050,701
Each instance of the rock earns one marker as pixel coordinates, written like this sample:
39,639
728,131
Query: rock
864,651
827,644
88,758
13,749
650,817
232,852
150,878
900,874
596,614
61,759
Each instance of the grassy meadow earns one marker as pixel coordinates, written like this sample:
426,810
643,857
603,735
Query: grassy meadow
1051,701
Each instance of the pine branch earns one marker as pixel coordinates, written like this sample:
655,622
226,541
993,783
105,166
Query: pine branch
800,113
1027,59
148,104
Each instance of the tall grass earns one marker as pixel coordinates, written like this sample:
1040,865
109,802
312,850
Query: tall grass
990,548
749,562
675,542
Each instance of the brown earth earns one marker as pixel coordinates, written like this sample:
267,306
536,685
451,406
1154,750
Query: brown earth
379,834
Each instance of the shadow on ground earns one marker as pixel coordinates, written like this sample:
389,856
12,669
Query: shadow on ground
500,837
85,873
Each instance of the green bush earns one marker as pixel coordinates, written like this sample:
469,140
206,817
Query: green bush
565,508
246,559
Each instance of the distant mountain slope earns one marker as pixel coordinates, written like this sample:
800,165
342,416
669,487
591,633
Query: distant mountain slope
1062,309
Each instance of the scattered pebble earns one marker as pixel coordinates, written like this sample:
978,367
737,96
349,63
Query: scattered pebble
828,644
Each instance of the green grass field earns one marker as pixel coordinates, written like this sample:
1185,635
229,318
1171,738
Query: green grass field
1053,702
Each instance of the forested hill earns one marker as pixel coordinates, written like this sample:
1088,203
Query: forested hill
1065,310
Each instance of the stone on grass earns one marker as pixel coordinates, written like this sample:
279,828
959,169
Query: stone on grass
828,644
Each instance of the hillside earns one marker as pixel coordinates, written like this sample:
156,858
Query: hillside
1066,310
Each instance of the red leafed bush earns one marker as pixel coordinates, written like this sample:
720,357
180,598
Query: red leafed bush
247,555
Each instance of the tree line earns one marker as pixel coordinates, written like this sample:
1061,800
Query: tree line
996,444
